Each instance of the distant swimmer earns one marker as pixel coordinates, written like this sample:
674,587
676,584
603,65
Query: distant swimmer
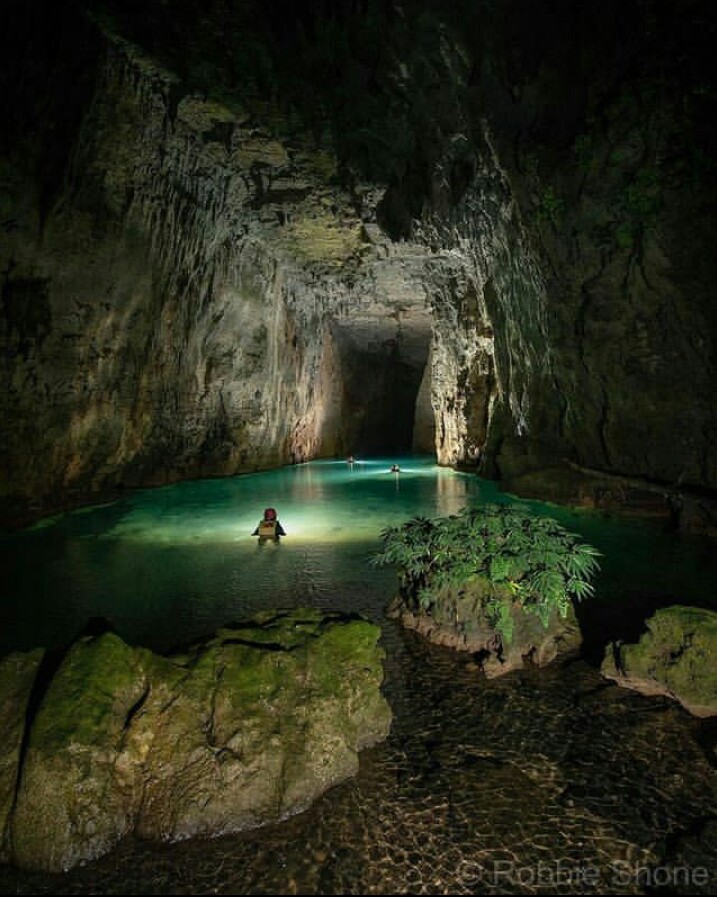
395,468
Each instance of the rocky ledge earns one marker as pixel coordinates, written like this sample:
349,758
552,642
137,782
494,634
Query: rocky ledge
459,619
239,731
684,509
674,657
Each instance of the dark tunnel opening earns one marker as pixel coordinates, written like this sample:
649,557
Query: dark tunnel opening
385,402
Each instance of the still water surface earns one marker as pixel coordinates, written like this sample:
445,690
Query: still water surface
540,781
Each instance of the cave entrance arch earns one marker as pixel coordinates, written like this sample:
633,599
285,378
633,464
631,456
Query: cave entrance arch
385,385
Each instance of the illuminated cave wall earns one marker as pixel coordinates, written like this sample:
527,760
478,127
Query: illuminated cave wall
210,265
176,311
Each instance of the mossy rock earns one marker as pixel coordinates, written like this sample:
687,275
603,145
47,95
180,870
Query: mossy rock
17,677
271,714
457,618
588,489
71,803
239,731
677,657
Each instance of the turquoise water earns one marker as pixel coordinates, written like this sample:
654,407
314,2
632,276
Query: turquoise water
166,565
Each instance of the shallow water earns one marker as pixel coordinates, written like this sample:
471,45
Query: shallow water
166,565
540,781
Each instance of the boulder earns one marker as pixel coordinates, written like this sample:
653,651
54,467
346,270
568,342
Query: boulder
241,730
17,677
268,717
674,657
75,801
457,618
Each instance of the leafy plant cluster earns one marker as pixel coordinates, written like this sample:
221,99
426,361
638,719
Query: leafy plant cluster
533,560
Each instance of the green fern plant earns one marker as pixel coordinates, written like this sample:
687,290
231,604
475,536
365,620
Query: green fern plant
532,560
500,618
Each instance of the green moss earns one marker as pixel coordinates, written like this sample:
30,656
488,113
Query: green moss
252,676
265,667
97,682
331,646
259,670
679,651
644,194
345,650
619,156
551,207
233,733
286,629
625,235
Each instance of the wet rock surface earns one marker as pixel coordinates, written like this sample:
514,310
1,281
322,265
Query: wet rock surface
17,677
241,731
569,484
482,786
674,657
457,619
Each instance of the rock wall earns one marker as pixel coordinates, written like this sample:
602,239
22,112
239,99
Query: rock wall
204,272
491,343
188,291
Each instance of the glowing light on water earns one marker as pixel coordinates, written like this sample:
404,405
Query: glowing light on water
165,565
324,501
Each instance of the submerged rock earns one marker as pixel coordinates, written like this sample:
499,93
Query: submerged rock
17,677
242,730
458,619
675,657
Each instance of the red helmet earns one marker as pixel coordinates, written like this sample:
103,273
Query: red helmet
269,514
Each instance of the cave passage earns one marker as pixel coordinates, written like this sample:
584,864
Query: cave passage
385,403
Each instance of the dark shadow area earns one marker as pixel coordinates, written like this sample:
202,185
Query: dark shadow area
380,395
372,76
381,374
48,667
50,58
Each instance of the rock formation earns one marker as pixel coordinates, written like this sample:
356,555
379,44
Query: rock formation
459,620
493,580
215,258
242,730
17,676
674,657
